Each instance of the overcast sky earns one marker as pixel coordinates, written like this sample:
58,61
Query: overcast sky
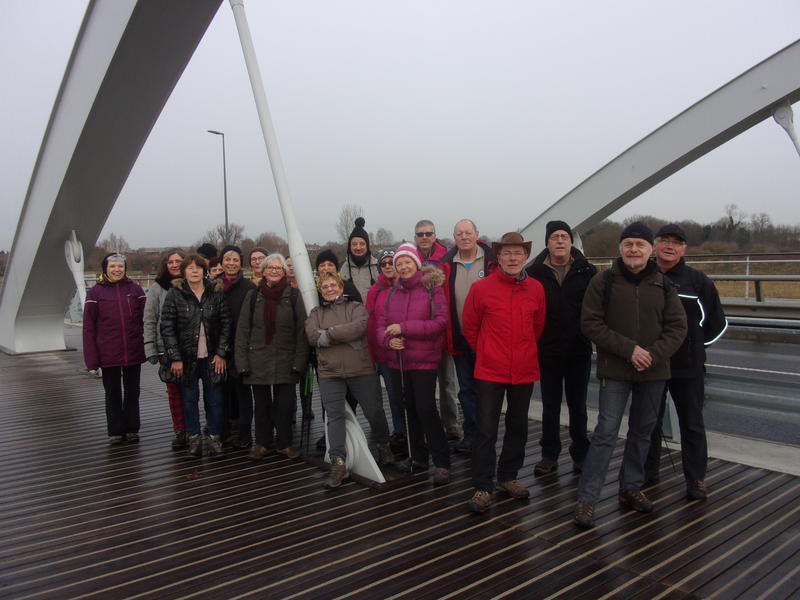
437,109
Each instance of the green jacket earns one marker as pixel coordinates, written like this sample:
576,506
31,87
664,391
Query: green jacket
643,314
286,357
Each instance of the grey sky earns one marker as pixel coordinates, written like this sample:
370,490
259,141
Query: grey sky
422,109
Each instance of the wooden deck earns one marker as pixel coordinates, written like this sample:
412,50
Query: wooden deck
81,519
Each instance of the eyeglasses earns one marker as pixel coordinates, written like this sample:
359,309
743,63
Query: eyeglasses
559,236
272,268
386,263
425,234
670,242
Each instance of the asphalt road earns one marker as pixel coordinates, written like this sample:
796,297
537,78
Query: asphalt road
752,390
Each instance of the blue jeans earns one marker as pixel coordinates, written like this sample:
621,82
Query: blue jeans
467,390
395,404
212,397
641,420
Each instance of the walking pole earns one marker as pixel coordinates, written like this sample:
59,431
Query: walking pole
405,410
305,401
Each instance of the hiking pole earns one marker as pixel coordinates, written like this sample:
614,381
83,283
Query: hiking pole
405,410
305,406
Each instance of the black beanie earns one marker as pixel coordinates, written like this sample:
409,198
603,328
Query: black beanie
232,248
557,226
326,255
207,250
637,229
359,232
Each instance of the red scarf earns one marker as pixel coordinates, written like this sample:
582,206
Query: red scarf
271,297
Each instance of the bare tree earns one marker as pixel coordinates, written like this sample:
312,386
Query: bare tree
114,243
272,242
220,237
383,238
346,220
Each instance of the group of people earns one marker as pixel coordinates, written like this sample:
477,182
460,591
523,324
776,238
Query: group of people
482,322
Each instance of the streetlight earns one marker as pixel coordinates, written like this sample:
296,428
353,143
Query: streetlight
224,179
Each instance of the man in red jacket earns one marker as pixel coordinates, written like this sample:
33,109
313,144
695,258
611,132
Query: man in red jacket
502,321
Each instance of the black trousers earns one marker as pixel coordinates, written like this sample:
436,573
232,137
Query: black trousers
426,432
122,408
687,394
273,409
567,375
487,419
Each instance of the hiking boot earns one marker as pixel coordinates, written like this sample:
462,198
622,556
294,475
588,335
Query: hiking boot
179,440
480,501
696,490
132,438
115,439
337,474
584,515
465,445
514,489
289,451
195,445
545,467
441,476
257,452
454,432
241,443
385,454
408,465
636,500
215,445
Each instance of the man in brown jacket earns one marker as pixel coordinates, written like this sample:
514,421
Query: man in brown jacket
634,317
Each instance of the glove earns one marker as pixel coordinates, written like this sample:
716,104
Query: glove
324,339
153,360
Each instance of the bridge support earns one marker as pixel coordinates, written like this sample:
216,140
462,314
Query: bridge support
127,58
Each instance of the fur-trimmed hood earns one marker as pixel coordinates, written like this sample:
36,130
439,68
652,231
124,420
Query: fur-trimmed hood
214,285
431,277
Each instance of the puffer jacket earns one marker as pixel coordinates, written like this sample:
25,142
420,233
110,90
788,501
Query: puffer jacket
376,298
156,293
286,356
562,334
112,325
346,324
642,313
503,320
180,323
417,304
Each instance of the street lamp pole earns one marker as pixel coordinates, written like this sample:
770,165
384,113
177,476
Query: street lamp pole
224,180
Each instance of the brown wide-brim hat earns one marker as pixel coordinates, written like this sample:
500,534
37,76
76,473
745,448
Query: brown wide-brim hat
512,238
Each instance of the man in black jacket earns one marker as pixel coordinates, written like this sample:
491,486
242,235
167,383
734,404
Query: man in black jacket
706,323
565,354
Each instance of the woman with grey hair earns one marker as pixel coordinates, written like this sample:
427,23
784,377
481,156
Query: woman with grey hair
271,355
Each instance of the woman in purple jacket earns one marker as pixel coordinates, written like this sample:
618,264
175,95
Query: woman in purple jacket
113,340
411,327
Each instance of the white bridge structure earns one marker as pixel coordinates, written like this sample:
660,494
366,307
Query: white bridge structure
127,58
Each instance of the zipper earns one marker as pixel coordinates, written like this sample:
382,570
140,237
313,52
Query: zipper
122,325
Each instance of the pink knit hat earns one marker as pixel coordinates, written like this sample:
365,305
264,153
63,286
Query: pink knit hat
410,251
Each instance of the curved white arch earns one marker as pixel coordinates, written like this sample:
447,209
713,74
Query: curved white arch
732,109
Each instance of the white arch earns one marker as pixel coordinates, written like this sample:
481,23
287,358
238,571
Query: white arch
127,58
732,109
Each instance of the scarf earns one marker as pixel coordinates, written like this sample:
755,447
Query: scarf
227,283
271,297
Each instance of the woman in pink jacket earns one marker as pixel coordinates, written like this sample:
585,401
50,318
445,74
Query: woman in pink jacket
376,300
411,327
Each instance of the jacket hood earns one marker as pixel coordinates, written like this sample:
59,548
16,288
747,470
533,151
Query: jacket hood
431,277
103,281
